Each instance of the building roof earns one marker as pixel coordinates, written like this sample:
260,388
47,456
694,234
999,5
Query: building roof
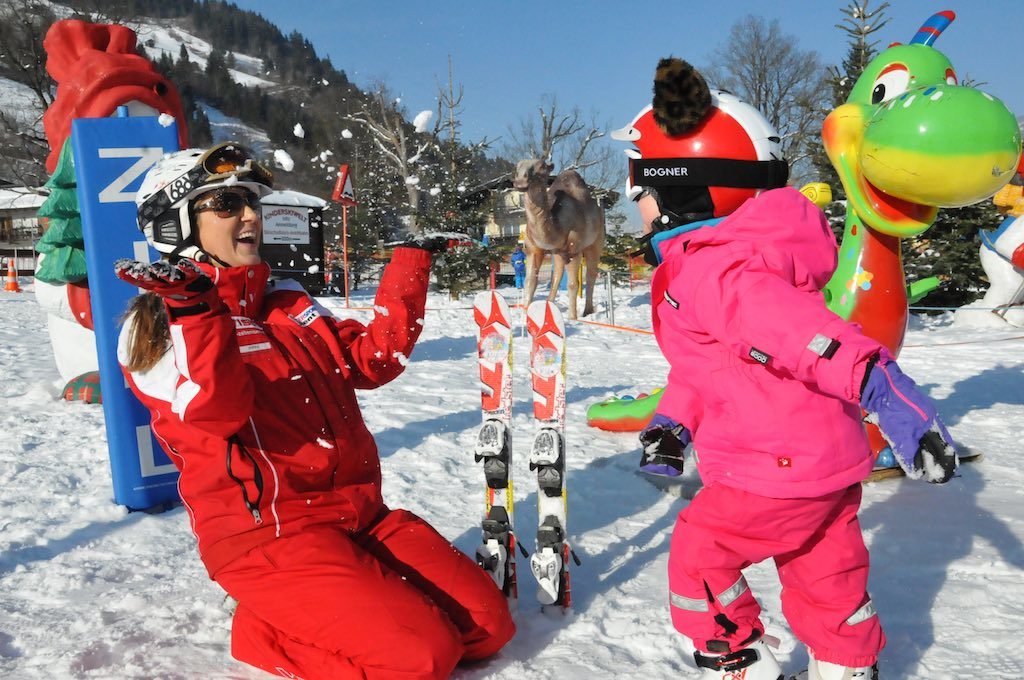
605,197
288,197
21,198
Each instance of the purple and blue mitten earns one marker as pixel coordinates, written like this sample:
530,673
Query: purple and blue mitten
663,441
908,421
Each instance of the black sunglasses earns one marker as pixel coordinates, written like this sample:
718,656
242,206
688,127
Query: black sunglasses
228,202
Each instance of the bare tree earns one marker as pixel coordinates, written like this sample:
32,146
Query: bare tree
23,26
765,67
383,118
104,11
23,146
569,140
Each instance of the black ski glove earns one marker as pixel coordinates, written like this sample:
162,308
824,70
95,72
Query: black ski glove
664,441
432,243
909,422
184,288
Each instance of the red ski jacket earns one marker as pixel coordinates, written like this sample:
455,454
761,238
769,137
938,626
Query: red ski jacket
255,403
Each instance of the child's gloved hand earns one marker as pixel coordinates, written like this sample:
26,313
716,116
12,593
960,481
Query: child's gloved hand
184,287
663,441
908,421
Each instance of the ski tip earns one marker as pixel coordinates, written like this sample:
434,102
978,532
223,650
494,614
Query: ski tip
490,308
544,317
486,299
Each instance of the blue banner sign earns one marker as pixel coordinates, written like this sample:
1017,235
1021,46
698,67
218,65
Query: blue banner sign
111,157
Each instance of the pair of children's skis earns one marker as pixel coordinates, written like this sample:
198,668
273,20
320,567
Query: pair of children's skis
496,555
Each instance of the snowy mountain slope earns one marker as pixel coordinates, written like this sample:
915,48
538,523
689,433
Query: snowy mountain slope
89,591
19,104
225,128
159,40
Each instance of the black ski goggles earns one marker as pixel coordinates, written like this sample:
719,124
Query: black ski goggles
227,202
708,172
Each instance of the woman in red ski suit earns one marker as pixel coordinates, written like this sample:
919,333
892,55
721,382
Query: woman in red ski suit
252,394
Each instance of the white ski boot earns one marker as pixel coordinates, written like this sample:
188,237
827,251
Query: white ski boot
753,662
823,670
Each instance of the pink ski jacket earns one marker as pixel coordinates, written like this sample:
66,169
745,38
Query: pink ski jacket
763,374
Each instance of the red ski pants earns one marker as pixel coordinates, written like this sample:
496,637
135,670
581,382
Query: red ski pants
394,601
820,555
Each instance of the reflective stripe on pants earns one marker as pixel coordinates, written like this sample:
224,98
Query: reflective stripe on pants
818,549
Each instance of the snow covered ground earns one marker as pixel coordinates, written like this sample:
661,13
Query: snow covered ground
90,591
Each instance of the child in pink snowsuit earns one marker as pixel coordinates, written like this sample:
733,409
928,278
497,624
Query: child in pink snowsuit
767,383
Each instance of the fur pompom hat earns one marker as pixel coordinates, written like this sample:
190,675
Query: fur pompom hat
681,96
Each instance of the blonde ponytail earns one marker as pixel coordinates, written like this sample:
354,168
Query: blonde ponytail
149,335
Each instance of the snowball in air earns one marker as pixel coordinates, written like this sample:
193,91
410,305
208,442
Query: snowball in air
165,120
346,134
283,160
298,131
421,120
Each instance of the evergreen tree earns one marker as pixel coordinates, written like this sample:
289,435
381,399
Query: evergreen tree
363,242
618,246
949,250
860,23
447,205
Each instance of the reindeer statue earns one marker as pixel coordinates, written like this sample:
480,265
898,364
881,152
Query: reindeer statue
565,220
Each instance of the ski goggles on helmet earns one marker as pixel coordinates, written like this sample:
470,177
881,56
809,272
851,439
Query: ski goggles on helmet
225,160
227,202
708,172
216,165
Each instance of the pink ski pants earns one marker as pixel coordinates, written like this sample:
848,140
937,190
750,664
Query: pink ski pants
820,555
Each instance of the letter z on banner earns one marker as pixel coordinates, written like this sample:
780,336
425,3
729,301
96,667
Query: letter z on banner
111,157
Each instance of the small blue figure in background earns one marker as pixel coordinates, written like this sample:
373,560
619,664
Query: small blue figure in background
518,260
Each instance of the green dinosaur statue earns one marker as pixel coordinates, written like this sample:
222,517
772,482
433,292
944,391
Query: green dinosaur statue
908,141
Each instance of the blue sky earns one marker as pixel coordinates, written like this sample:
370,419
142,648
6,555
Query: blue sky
600,55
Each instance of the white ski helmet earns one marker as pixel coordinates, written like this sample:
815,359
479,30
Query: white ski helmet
165,198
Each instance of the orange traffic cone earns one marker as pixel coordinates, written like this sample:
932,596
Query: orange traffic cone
12,278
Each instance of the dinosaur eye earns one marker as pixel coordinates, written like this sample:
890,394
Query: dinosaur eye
891,82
